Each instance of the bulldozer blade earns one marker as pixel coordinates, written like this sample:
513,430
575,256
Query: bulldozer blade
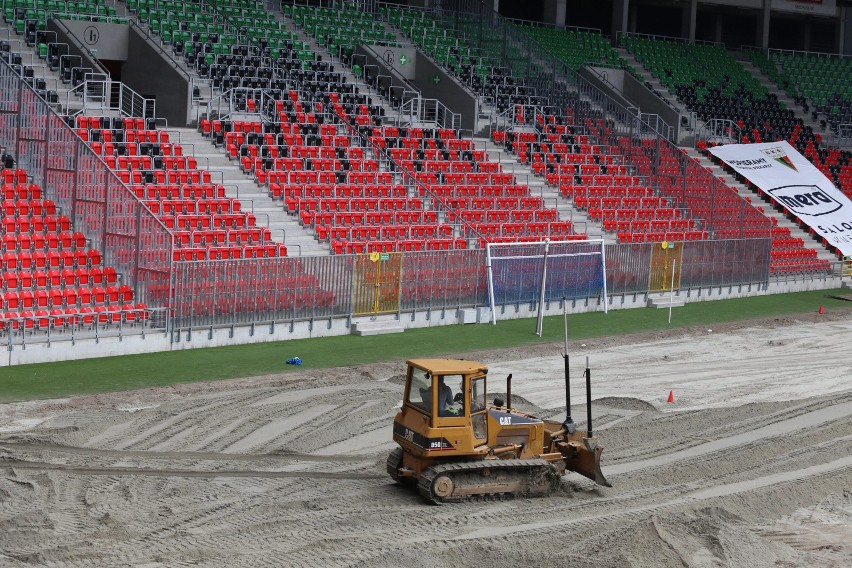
585,458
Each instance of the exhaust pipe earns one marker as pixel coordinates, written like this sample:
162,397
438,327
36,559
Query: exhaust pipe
509,393
588,398
568,425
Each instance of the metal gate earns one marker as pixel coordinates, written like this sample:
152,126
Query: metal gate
376,283
666,263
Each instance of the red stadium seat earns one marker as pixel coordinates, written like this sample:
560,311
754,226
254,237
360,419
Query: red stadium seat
57,318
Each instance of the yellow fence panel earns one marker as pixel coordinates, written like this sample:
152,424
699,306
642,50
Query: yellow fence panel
376,283
666,262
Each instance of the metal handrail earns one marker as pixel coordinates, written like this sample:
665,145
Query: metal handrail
818,54
108,95
537,24
73,38
152,41
621,35
418,109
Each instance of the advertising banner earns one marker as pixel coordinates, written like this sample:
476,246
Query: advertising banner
816,7
782,172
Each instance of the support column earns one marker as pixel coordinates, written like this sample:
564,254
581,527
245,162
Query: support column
633,16
840,30
554,12
689,14
763,25
717,37
620,10
806,36
497,6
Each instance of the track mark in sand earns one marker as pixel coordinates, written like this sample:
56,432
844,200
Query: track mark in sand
724,490
795,424
315,393
188,473
272,430
195,456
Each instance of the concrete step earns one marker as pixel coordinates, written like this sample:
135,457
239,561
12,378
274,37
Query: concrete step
285,228
376,327
662,91
539,188
665,301
783,97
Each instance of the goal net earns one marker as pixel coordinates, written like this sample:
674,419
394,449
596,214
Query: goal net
545,271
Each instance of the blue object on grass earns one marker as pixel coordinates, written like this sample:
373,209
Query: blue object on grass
294,361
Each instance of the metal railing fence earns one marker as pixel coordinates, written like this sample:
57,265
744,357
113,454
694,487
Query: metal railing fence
103,95
221,293
130,238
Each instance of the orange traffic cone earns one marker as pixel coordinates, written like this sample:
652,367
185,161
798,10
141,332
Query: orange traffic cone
821,310
671,396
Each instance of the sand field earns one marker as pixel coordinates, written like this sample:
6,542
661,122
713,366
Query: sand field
751,466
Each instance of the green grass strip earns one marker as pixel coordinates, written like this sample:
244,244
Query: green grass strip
55,380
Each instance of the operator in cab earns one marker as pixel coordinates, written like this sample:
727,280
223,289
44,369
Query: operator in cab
446,403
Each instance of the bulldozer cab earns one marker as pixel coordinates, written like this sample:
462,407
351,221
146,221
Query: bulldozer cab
447,394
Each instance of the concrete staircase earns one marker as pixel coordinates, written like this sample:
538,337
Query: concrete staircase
285,228
665,300
376,325
655,85
41,70
391,116
539,188
758,200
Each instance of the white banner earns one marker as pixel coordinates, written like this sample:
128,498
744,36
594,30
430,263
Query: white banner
780,171
817,7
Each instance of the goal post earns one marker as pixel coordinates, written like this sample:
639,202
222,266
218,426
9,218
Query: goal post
544,271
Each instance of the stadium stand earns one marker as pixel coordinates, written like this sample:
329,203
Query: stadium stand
710,82
822,79
204,222
713,84
50,278
340,29
475,66
323,146
576,47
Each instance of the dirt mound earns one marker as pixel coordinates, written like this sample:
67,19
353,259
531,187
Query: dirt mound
625,403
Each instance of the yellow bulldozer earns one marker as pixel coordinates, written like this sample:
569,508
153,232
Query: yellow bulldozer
454,446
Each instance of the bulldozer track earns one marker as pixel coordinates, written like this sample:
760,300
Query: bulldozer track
489,479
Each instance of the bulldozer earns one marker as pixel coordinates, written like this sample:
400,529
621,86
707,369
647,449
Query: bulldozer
454,446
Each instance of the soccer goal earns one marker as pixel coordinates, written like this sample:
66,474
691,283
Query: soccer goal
544,271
